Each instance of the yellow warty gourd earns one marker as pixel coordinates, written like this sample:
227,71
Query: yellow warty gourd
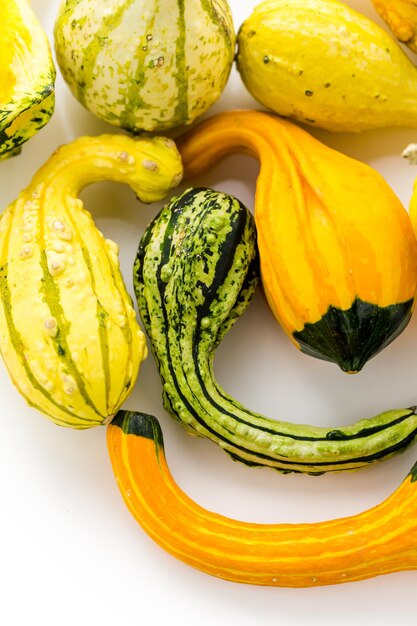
68,331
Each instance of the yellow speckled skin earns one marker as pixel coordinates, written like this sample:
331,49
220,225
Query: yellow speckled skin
68,331
401,17
27,76
321,63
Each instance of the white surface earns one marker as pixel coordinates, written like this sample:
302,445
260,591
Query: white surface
70,552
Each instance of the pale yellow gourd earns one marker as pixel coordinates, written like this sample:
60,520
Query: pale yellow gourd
145,65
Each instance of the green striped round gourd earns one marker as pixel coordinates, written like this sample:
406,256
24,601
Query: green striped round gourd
145,64
195,273
68,332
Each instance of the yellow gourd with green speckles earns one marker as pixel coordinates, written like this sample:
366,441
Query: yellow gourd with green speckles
323,64
27,76
68,331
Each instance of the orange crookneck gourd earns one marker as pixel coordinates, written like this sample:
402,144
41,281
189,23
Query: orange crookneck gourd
378,541
338,253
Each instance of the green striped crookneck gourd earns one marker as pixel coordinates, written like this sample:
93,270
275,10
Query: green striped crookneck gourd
27,76
68,332
145,64
337,249
195,273
380,540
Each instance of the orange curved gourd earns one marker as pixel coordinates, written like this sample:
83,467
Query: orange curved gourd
378,541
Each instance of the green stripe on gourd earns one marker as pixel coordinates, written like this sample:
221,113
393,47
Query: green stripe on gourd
145,65
68,331
51,297
195,273
15,337
181,73
27,76
109,22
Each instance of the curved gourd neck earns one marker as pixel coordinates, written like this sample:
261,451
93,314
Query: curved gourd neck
225,134
267,138
149,166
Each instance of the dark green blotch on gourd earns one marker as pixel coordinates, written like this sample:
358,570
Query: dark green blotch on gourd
350,338
139,424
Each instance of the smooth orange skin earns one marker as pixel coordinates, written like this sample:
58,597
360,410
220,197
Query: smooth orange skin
378,541
330,228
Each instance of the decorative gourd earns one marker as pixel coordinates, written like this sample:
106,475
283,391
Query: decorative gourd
325,65
410,153
142,64
195,274
401,17
338,252
27,76
68,332
378,541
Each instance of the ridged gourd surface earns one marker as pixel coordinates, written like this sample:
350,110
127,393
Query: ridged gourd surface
195,273
145,64
377,541
68,331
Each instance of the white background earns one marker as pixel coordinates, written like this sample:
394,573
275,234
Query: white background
70,553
